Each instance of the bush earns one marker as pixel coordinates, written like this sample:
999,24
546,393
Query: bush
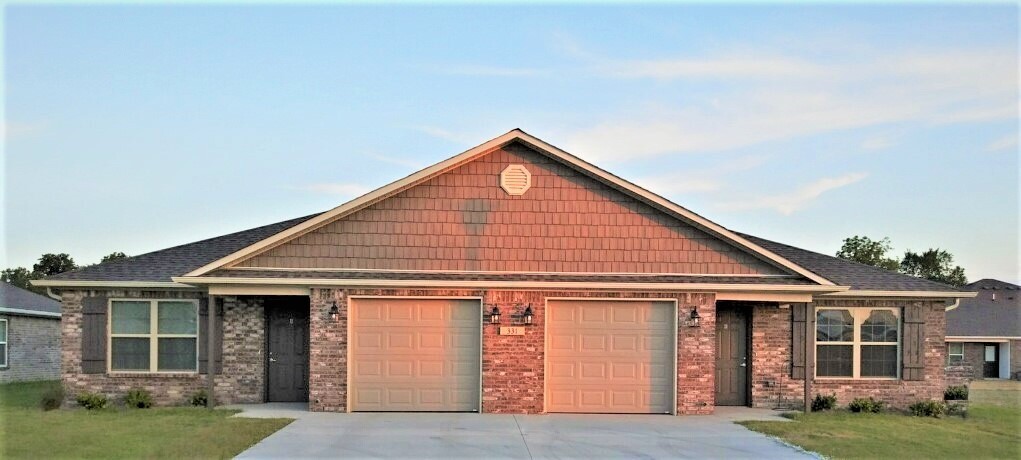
52,398
138,398
867,405
928,409
959,409
956,393
821,403
199,398
92,401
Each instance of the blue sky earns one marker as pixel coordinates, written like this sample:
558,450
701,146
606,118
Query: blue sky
132,128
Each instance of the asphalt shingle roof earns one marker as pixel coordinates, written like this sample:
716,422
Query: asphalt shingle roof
14,297
858,276
983,316
178,260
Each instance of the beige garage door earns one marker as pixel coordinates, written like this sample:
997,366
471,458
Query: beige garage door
412,355
610,356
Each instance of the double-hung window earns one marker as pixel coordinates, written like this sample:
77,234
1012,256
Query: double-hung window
955,353
857,343
3,342
153,336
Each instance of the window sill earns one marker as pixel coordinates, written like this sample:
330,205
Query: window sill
855,380
162,375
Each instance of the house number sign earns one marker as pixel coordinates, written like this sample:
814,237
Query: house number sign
512,330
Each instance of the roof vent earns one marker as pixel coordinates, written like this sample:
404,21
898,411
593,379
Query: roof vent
515,180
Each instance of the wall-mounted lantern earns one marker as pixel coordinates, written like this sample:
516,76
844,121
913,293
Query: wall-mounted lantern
334,312
694,320
526,316
494,315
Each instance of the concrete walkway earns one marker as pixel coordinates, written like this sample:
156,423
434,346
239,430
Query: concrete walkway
443,435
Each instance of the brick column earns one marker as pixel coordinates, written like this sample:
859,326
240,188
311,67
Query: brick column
328,351
696,355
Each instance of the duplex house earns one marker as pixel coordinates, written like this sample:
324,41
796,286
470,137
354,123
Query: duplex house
512,278
984,333
29,335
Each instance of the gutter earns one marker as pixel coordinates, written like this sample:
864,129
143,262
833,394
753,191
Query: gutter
23,312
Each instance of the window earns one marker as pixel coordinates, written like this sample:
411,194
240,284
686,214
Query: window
955,353
153,336
857,343
3,342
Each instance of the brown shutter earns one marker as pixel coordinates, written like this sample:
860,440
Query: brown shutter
914,343
799,314
94,335
204,336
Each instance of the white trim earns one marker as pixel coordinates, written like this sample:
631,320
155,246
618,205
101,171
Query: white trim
6,343
987,339
154,335
546,337
511,284
112,284
858,317
951,354
258,290
516,134
764,297
23,312
498,272
936,294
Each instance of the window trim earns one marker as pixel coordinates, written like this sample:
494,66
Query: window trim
153,337
951,355
6,343
858,316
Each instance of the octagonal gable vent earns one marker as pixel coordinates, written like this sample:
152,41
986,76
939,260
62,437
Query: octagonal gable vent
515,180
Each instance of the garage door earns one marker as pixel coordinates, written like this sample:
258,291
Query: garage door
610,356
413,355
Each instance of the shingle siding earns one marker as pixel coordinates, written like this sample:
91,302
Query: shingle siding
463,221
33,349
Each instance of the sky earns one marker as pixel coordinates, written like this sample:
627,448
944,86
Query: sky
135,128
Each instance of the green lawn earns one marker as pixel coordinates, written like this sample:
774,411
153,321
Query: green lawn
989,432
178,432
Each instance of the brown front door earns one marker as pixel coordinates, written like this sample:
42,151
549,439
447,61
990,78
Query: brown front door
991,361
287,349
731,357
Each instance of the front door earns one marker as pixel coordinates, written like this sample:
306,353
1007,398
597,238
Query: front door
991,361
731,357
287,349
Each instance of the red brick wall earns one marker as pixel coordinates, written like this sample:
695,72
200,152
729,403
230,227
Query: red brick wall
771,348
463,220
513,367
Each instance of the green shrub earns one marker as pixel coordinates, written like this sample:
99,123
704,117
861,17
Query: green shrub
138,398
958,409
956,393
821,403
52,398
867,405
92,401
928,409
199,398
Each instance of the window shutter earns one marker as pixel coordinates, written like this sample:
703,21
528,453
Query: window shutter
204,336
799,314
94,335
914,343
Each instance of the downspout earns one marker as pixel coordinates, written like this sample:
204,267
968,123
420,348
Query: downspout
957,303
50,294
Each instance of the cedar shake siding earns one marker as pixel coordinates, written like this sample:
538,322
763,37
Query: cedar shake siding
464,221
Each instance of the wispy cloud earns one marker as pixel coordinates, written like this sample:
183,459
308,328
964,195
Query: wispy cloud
342,189
1008,142
395,161
877,143
789,203
739,67
701,180
12,130
492,71
440,133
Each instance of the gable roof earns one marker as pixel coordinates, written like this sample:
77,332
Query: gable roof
541,146
983,316
18,301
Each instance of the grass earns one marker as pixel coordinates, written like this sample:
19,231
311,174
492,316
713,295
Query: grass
989,432
171,432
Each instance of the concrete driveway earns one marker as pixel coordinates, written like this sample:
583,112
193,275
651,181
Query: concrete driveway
389,435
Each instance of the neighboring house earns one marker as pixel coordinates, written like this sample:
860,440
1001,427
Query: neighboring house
984,333
29,336
515,278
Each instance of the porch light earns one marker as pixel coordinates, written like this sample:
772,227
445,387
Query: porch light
526,316
334,313
494,316
694,319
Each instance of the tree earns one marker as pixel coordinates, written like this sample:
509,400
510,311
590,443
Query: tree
19,277
51,264
863,249
934,264
113,256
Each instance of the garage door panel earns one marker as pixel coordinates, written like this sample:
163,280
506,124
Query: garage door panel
610,356
415,355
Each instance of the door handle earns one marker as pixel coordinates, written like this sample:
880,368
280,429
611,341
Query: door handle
273,360
744,361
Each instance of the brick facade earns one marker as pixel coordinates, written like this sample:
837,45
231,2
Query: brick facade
242,379
33,349
973,364
771,357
